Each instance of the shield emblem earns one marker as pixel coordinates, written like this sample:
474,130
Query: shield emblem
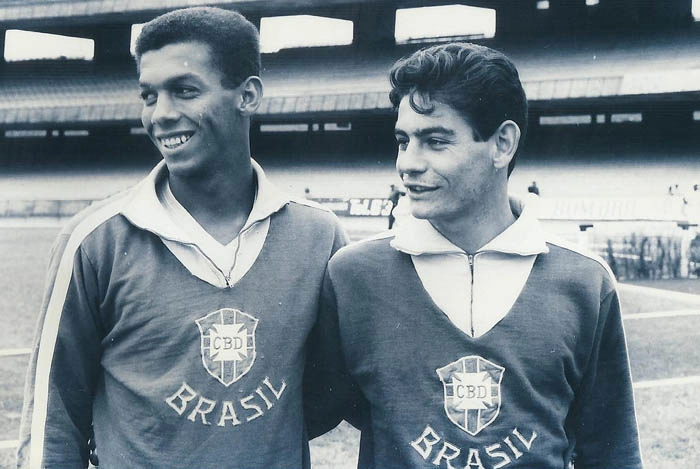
472,387
227,343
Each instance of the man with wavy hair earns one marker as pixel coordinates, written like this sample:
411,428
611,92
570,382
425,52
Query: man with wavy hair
471,338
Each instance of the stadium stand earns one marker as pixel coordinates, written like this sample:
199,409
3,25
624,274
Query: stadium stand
614,142
614,93
325,81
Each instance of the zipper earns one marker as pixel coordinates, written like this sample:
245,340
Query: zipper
227,278
470,259
235,259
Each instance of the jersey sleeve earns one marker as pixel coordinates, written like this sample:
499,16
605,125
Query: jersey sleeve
603,415
340,238
330,394
64,365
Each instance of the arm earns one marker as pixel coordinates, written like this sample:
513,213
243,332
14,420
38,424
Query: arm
63,369
330,393
340,237
604,418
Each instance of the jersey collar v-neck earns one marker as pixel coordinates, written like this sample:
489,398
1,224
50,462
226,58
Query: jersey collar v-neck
154,209
474,290
524,237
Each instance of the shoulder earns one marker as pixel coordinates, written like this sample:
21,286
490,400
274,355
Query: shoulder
579,264
309,218
577,253
85,223
303,202
311,210
310,224
375,250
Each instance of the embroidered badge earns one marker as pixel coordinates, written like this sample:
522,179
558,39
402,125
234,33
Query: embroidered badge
227,343
472,388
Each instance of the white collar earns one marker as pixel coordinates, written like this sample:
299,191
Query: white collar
524,237
268,198
145,210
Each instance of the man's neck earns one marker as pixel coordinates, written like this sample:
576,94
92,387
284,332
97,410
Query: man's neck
472,232
220,203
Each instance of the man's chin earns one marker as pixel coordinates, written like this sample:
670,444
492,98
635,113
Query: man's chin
181,166
421,214
432,214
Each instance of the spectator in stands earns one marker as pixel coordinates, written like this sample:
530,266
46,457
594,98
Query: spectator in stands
694,256
659,258
693,202
632,254
177,314
643,258
394,196
533,189
610,255
472,338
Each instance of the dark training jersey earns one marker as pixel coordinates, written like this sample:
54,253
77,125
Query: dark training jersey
549,380
171,371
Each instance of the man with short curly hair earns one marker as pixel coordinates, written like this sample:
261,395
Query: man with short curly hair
174,329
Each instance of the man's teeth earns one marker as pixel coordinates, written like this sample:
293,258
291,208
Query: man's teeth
174,142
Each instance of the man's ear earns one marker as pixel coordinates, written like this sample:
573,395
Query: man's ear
251,95
506,139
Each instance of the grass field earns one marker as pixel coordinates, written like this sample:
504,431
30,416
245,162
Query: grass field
661,347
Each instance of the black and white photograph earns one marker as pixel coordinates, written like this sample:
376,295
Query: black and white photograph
339,234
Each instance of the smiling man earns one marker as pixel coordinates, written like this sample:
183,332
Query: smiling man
471,338
174,328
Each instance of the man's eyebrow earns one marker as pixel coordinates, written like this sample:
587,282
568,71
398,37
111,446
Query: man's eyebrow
172,80
437,129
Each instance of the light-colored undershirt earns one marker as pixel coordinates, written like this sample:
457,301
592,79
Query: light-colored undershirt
221,265
500,269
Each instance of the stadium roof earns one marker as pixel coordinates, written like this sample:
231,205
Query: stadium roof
607,13
340,81
79,11
551,68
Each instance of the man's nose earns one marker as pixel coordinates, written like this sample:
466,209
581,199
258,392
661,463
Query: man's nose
410,160
164,110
